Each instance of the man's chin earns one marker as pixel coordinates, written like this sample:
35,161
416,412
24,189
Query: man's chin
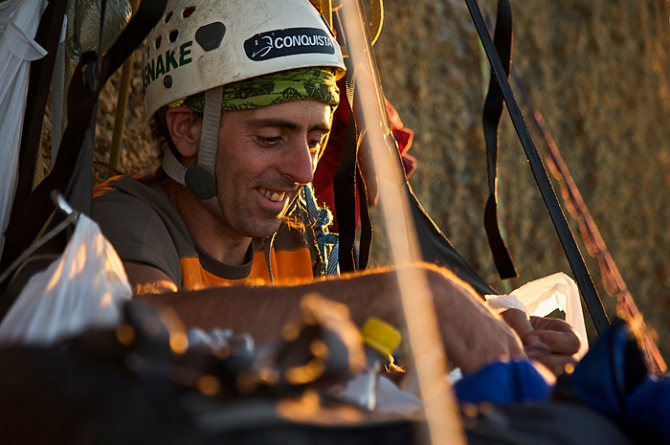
266,228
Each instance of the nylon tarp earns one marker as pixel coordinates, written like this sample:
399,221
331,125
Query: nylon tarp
19,20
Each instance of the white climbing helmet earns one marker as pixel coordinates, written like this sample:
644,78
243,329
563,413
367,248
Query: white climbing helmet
199,45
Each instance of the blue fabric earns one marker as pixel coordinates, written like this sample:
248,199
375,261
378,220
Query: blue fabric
502,383
648,406
606,380
599,379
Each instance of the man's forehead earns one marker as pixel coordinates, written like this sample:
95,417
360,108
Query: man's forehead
301,114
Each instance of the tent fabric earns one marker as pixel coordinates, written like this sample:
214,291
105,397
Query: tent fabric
19,20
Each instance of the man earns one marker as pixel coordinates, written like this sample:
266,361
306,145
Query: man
243,94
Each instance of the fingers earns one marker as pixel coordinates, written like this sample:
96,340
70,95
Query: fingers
551,324
510,342
535,348
518,320
557,364
472,335
483,341
558,338
558,342
538,332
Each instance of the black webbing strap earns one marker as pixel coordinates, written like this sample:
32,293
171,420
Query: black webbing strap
493,107
574,256
348,181
347,184
88,79
365,242
41,70
344,190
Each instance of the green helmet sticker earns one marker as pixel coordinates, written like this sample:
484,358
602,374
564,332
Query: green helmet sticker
167,61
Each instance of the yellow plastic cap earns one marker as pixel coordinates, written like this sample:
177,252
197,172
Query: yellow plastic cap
380,335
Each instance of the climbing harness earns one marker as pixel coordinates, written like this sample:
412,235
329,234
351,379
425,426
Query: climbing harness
320,219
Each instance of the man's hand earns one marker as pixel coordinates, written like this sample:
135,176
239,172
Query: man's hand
550,341
473,335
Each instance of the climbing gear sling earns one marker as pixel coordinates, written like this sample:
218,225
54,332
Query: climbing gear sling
573,254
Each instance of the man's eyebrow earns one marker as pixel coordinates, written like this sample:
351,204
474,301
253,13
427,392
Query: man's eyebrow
290,125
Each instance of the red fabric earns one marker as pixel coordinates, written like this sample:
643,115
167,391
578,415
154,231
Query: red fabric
330,161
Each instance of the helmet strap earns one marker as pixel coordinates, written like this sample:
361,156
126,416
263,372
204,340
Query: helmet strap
200,178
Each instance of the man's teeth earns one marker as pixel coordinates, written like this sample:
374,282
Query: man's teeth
273,196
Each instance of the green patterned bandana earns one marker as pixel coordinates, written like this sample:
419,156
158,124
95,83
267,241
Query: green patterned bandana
313,83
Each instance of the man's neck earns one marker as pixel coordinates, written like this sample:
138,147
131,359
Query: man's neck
206,229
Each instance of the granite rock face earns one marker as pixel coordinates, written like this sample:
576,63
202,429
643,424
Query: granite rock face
597,72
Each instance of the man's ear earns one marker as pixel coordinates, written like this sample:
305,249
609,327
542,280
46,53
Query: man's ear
184,126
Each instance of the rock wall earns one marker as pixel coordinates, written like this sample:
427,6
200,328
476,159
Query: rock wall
597,73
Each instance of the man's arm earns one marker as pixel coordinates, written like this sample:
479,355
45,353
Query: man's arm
145,279
472,335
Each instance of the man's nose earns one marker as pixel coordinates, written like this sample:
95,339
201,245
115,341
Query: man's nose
298,163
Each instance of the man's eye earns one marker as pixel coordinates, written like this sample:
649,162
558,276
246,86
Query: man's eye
270,141
314,146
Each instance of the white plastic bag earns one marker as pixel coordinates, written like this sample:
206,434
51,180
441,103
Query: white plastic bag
542,296
83,288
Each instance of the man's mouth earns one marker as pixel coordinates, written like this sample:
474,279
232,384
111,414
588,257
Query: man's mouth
272,195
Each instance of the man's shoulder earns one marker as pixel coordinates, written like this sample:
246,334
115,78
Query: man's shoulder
141,187
137,216
138,197
135,195
124,197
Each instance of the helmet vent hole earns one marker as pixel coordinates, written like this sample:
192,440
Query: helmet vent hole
188,11
168,16
157,42
173,35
